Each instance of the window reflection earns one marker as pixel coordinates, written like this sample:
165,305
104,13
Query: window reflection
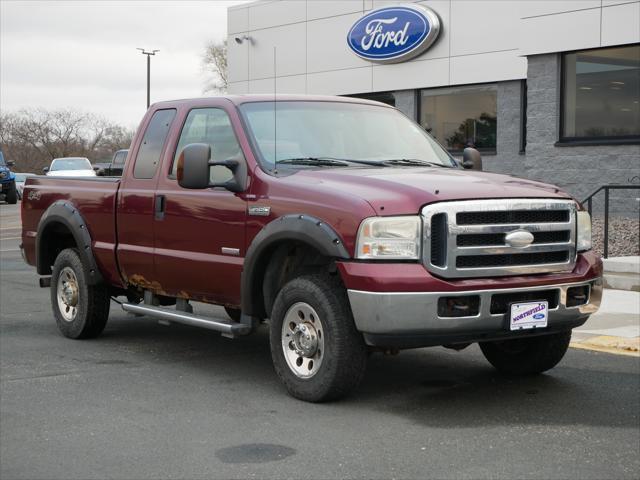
602,93
461,117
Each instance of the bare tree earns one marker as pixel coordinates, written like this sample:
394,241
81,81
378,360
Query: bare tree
32,138
214,65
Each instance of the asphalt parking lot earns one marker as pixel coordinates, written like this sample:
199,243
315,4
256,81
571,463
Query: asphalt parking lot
149,401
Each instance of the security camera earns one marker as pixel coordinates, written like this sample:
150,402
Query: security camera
240,40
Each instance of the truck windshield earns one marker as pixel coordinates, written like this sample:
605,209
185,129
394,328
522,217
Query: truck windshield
341,131
70,164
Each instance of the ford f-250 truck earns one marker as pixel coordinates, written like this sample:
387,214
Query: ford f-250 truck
339,221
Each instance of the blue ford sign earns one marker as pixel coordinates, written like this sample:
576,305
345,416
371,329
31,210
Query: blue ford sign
394,34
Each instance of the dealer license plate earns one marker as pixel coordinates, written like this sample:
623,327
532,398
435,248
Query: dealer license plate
528,315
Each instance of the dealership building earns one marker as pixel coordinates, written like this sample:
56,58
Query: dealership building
546,90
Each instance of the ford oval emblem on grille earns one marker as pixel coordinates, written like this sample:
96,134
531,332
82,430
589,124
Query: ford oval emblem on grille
519,238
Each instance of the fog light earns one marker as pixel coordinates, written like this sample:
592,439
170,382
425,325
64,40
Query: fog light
577,296
465,306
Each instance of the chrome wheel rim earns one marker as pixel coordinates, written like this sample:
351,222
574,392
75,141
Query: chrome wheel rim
303,340
68,294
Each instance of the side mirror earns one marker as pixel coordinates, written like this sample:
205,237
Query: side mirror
471,159
195,162
45,170
11,163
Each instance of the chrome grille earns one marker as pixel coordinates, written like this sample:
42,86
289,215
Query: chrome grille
468,239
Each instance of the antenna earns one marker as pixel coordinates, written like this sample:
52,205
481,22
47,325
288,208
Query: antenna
275,117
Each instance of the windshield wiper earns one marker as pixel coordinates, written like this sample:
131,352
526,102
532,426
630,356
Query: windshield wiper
314,161
413,162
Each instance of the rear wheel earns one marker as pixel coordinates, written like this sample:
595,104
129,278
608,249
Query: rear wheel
12,194
316,350
527,356
81,310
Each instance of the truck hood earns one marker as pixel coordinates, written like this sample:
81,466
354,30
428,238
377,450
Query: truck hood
402,190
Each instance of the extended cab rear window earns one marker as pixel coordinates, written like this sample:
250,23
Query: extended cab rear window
148,157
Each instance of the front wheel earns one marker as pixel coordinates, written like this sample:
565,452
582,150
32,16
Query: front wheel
12,194
527,356
316,350
81,310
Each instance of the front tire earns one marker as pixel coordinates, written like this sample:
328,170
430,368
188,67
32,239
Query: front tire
316,350
81,310
12,194
527,356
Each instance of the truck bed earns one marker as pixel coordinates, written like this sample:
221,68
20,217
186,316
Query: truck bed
95,199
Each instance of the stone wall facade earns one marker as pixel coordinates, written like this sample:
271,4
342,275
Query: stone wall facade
577,169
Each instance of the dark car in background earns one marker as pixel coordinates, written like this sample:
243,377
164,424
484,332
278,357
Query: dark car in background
8,191
113,168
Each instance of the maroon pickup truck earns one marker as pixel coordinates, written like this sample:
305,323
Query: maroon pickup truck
339,221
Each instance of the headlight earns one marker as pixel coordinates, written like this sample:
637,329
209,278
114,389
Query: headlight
389,238
584,231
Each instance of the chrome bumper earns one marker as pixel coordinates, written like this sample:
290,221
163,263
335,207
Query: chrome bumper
402,313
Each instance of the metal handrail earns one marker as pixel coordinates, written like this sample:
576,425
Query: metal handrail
606,189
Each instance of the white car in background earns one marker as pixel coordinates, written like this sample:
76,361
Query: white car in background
70,167
20,179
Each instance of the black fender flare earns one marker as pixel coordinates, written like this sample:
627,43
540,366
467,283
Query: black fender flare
297,227
64,213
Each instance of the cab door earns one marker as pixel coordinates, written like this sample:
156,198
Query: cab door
200,234
136,202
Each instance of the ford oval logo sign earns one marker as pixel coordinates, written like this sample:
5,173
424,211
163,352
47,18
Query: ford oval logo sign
394,34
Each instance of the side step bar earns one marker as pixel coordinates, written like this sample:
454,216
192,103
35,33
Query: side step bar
228,329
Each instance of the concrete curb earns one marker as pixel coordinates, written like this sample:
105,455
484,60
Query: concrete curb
622,273
609,344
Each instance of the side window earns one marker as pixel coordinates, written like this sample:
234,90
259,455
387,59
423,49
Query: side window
212,126
150,150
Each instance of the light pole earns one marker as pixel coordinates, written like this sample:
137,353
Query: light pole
148,54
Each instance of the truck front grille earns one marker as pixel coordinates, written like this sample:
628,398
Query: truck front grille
472,238
515,216
470,261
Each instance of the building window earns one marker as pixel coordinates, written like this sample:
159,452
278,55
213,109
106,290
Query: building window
601,90
461,117
384,97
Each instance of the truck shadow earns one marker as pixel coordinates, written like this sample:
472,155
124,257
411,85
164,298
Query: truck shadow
432,387
443,389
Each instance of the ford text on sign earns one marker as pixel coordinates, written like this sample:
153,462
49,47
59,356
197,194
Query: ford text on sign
394,34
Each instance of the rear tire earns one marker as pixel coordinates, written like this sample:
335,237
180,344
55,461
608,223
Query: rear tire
12,194
81,310
316,350
527,356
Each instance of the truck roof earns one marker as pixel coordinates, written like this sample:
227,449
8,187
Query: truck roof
266,97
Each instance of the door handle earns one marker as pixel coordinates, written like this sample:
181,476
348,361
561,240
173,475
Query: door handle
160,202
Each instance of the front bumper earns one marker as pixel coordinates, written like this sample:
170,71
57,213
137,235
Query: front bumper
410,319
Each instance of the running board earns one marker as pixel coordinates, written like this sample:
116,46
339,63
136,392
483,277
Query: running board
228,329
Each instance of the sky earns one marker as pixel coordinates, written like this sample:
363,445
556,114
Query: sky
82,54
